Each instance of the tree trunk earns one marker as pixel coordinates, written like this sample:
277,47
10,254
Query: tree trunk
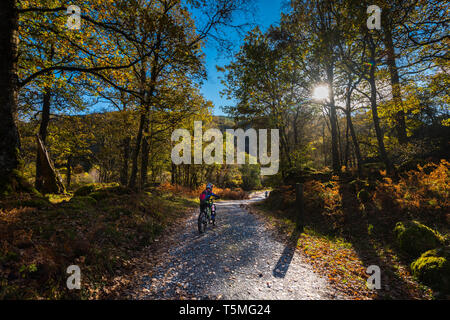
347,147
341,152
325,153
355,143
45,119
395,84
173,173
126,157
135,155
145,144
144,160
10,140
285,147
142,121
51,182
333,121
69,171
145,151
353,134
374,107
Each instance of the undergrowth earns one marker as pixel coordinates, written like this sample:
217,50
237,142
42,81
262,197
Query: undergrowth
41,237
362,213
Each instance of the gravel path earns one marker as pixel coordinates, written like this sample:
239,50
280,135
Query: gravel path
238,259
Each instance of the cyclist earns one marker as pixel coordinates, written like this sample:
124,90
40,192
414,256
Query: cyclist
204,199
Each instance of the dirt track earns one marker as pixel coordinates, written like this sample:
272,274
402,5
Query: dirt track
238,259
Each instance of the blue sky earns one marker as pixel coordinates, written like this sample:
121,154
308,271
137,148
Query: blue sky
267,13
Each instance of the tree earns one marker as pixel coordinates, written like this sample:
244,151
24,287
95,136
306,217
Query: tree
9,76
269,90
10,141
69,139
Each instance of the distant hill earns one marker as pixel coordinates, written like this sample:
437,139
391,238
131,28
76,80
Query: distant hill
223,122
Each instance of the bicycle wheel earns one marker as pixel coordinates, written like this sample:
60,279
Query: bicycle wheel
202,222
213,214
208,214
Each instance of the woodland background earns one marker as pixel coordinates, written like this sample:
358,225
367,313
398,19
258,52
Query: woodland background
373,154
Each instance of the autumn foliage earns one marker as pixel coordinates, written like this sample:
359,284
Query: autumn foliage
350,225
41,238
426,189
227,193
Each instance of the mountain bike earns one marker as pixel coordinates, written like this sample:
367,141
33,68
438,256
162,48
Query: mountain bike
206,216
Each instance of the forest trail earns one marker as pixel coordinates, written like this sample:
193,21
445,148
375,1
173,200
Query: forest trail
240,258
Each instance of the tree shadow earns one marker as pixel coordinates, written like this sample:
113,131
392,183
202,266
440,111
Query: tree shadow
356,224
285,259
200,261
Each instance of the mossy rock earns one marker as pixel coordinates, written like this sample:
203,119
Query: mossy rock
363,196
415,238
433,269
85,190
81,202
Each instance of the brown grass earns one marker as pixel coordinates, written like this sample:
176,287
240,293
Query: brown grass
363,213
41,239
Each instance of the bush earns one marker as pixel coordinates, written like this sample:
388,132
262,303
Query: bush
251,179
411,164
228,194
281,198
433,269
373,169
320,196
415,238
425,189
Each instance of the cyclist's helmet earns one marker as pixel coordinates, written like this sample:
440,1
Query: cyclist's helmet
209,186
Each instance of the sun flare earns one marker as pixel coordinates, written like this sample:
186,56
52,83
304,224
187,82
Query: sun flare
321,93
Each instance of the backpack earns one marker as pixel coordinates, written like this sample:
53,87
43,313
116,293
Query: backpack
202,196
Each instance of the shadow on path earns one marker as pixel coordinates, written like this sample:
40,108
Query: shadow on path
282,266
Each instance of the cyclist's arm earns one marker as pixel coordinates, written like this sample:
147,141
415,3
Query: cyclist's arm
216,196
208,196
